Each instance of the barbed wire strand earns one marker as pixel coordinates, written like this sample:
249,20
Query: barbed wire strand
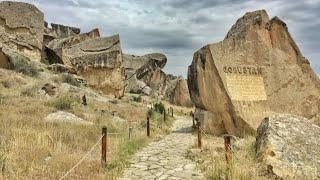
80,161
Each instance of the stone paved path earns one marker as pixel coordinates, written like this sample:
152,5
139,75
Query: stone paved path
165,159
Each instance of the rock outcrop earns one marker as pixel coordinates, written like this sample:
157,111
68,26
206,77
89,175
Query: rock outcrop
60,31
180,95
289,147
143,73
21,29
99,61
257,70
65,117
55,50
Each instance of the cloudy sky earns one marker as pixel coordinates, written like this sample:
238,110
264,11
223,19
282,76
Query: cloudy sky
178,28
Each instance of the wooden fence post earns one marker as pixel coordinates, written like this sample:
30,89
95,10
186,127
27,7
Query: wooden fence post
104,146
164,115
171,111
199,135
193,122
148,126
130,132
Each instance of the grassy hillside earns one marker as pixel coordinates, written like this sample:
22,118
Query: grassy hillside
31,148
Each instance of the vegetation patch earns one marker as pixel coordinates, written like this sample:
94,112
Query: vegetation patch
30,91
159,107
45,61
65,102
23,65
137,98
70,79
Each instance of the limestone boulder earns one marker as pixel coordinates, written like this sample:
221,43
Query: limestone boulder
65,117
58,31
99,61
152,61
180,95
55,50
257,70
140,69
288,146
21,29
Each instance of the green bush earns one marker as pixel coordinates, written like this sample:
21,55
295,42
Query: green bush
159,107
22,64
64,103
45,61
68,78
137,98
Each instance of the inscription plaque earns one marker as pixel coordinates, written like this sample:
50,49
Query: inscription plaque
246,88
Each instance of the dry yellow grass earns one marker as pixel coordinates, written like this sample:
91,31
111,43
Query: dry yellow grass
212,161
33,149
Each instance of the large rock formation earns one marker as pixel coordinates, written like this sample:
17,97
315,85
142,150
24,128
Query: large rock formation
58,31
255,71
55,50
289,147
180,95
99,60
143,73
21,29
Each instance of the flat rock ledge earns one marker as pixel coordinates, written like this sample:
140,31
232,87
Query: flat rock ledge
289,146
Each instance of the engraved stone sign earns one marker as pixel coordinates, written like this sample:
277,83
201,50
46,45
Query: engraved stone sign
246,88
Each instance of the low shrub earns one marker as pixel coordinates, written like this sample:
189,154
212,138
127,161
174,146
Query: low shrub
159,107
68,78
64,103
137,98
22,64
45,61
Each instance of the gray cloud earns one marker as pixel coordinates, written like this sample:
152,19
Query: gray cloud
180,27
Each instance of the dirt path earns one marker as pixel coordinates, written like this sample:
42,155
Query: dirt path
165,159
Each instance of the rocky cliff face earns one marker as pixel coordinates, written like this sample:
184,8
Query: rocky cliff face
21,29
257,70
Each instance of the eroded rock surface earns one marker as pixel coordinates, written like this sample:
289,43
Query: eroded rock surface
257,70
180,95
55,50
99,61
21,29
65,117
289,146
140,69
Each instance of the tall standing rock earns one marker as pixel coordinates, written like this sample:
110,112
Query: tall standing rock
21,29
257,70
180,95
